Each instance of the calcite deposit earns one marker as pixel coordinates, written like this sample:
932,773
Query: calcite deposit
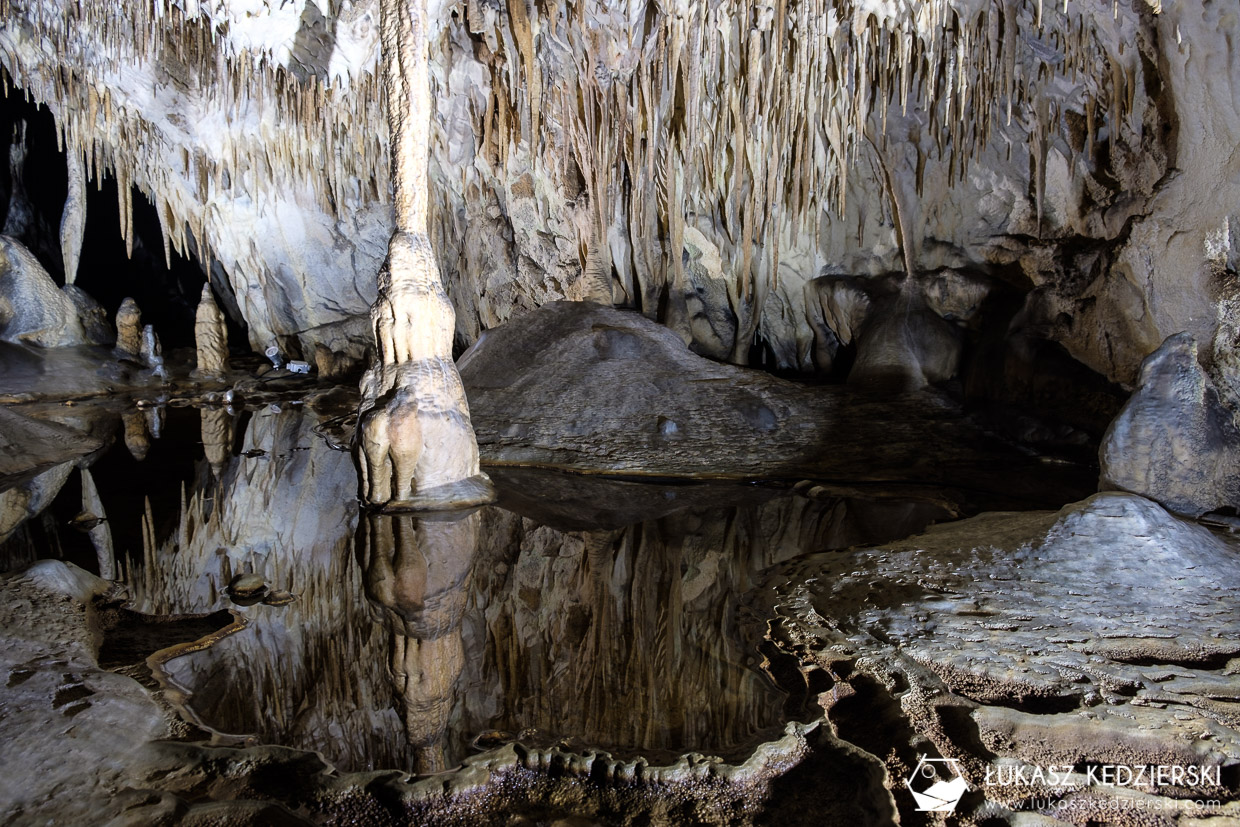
702,164
210,336
771,321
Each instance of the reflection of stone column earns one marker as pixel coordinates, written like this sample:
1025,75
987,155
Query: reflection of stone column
28,499
416,443
129,329
100,533
137,440
211,336
217,437
418,570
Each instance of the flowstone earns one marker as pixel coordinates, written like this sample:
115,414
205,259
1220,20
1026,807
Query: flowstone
1175,441
1097,635
33,310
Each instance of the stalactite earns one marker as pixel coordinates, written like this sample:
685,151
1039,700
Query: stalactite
73,218
768,108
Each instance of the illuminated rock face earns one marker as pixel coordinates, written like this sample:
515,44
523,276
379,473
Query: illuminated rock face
35,311
704,162
416,447
1174,441
210,336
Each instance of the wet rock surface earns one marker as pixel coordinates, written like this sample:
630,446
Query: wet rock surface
609,652
1098,635
588,388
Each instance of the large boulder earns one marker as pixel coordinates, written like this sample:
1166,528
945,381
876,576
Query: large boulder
578,386
1174,441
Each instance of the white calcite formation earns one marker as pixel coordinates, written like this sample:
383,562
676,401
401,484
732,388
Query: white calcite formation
416,447
210,336
34,311
703,162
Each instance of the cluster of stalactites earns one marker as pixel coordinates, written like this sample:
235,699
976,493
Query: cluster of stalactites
278,131
752,114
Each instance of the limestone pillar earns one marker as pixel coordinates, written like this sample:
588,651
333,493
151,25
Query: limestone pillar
416,445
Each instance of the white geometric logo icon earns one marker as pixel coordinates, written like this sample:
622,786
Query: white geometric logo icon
941,796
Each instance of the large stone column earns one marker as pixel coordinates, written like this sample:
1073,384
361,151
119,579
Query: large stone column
416,446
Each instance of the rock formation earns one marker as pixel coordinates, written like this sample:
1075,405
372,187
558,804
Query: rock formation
416,446
210,336
33,310
73,219
152,352
709,162
129,330
592,389
1124,625
1174,441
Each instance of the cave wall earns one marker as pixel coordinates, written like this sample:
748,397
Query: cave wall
718,168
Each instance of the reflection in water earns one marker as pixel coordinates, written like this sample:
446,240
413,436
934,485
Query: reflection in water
418,572
137,438
602,614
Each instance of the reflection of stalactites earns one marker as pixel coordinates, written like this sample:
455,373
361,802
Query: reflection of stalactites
418,572
217,437
137,439
101,532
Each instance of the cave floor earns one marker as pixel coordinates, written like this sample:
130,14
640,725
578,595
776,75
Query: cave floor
590,649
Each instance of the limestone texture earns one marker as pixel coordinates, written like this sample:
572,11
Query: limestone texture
578,386
210,336
33,310
1100,634
129,329
415,445
1080,152
1175,441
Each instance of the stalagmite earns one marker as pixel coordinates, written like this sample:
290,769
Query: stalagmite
331,364
416,446
152,352
73,219
129,329
210,336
